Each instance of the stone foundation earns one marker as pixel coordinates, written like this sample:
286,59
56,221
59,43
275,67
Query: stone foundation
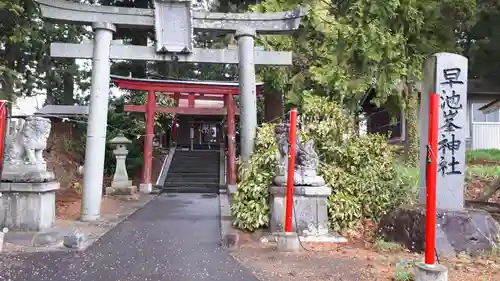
471,230
310,209
122,188
28,206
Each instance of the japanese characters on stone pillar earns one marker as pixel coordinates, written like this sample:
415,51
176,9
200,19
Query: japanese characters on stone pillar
445,74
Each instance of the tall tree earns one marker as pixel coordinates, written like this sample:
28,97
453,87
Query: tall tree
25,67
345,48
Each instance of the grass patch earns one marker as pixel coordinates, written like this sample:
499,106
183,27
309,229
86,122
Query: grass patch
482,172
483,154
381,245
408,176
404,271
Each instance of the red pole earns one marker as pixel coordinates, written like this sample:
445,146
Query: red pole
3,130
148,142
231,141
191,100
431,174
291,166
173,129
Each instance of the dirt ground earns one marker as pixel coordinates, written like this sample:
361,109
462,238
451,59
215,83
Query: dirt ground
65,165
476,186
354,261
362,259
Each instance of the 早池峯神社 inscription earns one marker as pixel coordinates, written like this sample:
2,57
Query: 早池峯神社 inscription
446,75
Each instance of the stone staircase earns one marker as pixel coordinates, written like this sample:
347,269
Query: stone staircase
193,172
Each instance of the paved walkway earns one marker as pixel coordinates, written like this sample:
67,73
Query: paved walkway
173,238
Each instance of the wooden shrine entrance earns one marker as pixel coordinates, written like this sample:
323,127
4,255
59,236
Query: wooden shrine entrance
204,116
196,132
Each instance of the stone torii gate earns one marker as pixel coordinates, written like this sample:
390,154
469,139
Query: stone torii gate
174,23
192,91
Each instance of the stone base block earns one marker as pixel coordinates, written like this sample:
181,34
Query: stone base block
436,272
28,206
310,209
120,184
146,188
328,238
471,231
22,173
121,190
232,188
287,241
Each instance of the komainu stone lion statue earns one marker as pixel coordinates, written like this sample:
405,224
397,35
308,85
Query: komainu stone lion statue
27,143
307,160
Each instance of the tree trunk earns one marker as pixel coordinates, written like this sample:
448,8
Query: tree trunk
68,88
410,113
273,106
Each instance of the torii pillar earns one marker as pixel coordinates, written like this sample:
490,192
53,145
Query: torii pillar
173,129
248,104
146,186
231,142
174,42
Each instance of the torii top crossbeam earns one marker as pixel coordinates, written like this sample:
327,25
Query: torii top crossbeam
182,86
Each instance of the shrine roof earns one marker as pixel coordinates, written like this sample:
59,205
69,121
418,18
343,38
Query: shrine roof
183,81
64,110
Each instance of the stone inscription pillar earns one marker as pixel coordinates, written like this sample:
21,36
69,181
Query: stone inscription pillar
98,121
445,74
248,99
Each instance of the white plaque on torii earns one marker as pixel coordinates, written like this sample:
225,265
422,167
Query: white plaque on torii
173,26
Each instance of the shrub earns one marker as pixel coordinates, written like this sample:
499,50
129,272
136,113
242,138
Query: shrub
359,169
250,206
363,181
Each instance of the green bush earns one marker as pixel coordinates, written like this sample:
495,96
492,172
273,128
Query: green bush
362,177
361,170
250,207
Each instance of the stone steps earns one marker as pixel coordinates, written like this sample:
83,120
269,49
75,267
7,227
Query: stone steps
193,172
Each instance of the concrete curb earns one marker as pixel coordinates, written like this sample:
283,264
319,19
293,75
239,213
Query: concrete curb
164,168
229,238
1,240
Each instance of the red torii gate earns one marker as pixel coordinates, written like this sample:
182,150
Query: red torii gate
192,91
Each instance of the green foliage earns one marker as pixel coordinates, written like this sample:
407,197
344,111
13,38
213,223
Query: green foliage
250,207
360,170
362,177
482,172
483,154
26,69
346,47
133,126
380,245
404,271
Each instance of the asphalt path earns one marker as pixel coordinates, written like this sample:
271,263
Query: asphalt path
174,237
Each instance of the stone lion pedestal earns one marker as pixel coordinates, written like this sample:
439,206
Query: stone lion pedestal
310,210
310,197
27,188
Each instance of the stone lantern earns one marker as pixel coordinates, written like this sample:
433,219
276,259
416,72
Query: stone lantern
120,185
